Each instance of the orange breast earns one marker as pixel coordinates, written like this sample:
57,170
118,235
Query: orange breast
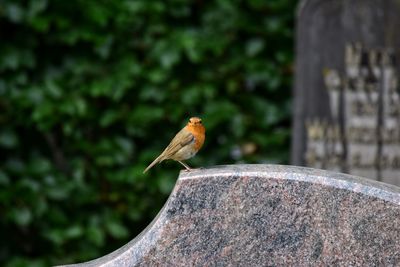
199,133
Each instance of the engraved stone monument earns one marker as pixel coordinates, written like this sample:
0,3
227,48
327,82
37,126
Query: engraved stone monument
347,94
366,140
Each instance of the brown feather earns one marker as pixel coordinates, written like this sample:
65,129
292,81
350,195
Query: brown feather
181,139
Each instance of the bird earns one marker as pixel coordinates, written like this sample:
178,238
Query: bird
186,143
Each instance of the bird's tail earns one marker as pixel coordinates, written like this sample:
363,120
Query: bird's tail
157,160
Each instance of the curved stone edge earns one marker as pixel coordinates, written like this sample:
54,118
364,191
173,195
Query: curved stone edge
131,253
353,183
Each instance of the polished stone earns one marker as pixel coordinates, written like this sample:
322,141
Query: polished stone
269,215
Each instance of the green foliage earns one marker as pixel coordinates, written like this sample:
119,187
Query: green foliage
92,91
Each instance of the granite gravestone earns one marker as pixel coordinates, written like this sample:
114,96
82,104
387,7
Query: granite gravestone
347,97
269,215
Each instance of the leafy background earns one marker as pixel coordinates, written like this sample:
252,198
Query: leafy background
92,91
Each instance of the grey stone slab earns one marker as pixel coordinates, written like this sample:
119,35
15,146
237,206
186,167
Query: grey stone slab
346,78
324,29
269,215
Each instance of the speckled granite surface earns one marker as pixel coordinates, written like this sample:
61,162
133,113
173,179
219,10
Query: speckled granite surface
269,215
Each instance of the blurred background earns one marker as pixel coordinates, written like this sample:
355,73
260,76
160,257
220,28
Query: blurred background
92,91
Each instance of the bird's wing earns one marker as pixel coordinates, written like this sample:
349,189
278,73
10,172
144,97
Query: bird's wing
181,139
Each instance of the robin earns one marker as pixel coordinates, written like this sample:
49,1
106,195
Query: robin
186,143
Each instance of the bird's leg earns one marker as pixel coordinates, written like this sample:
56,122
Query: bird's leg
185,165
